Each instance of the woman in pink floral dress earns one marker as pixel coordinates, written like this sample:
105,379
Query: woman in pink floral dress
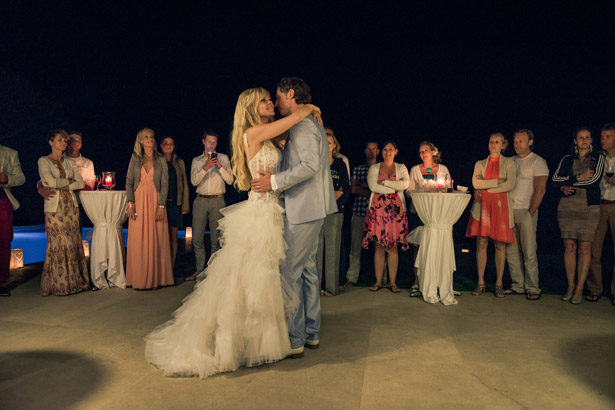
386,222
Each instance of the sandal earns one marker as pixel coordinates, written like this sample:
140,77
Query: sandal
341,288
326,293
415,292
375,288
499,291
533,296
394,289
511,291
592,298
480,288
191,277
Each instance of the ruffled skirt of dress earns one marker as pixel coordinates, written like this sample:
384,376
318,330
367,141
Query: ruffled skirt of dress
236,316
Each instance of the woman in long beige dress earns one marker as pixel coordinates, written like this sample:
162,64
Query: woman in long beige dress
65,270
148,260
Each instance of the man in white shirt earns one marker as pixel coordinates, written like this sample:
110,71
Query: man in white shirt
84,166
210,172
532,175
607,215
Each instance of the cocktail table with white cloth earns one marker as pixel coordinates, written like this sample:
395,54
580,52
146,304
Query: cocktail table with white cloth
435,261
107,211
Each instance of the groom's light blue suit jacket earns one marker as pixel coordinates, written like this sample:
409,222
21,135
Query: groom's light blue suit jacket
306,176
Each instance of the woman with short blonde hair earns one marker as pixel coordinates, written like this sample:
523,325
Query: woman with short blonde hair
492,211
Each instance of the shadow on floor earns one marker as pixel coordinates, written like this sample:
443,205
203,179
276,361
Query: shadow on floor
46,376
582,356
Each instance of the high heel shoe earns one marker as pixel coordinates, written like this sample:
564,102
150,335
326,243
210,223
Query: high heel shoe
499,292
576,301
566,298
480,288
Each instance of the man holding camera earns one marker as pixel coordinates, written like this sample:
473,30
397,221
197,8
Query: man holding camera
209,173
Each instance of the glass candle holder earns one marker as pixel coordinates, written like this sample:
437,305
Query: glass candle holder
108,180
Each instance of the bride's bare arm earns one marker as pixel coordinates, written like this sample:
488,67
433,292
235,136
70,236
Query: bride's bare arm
263,132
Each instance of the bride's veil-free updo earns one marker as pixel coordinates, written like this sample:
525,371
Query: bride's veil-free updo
246,116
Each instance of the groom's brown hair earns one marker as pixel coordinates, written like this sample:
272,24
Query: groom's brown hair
302,90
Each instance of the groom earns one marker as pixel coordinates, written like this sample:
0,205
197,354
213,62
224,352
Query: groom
306,182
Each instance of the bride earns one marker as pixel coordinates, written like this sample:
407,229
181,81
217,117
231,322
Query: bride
236,316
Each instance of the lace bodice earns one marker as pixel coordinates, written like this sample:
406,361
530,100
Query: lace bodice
268,158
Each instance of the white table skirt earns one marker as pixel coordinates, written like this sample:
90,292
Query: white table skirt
435,261
107,211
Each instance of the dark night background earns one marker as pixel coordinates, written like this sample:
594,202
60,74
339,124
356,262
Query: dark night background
447,72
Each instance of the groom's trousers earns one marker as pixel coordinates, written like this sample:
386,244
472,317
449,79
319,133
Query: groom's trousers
301,276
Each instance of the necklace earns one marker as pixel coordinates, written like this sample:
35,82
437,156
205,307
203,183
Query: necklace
429,170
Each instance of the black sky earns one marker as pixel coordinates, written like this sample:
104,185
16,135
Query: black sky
449,72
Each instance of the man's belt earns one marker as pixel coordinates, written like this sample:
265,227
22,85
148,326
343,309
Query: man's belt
210,196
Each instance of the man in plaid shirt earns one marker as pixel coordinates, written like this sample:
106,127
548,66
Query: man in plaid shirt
358,186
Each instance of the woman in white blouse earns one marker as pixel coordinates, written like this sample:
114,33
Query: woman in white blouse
430,167
386,223
65,270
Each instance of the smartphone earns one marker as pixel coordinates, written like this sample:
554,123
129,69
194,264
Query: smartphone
214,154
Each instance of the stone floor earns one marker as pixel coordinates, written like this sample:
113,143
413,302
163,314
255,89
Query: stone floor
379,351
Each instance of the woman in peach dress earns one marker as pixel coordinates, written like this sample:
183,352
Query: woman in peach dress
148,261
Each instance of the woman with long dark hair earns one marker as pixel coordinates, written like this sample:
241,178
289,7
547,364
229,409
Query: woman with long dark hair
578,179
386,222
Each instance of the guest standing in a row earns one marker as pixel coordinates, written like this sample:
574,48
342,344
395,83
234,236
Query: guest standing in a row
430,166
330,237
526,196
386,223
361,192
177,197
607,216
65,270
11,175
148,260
578,178
209,173
492,211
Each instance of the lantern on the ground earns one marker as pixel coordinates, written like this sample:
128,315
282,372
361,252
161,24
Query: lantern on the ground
16,259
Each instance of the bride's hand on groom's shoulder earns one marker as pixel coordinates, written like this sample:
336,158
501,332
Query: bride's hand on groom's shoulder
262,183
317,114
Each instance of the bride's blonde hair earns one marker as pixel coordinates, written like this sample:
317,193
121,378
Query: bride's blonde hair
246,116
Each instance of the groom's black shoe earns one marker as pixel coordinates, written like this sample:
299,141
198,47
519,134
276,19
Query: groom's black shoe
296,353
312,344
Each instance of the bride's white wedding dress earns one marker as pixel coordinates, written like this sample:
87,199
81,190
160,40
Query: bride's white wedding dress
235,317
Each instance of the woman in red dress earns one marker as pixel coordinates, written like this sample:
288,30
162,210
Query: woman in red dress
491,215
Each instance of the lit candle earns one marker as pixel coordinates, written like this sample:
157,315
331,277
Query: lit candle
440,183
108,180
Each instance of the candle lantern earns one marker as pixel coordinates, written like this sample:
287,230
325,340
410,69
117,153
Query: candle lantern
189,232
440,183
16,259
108,180
86,249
